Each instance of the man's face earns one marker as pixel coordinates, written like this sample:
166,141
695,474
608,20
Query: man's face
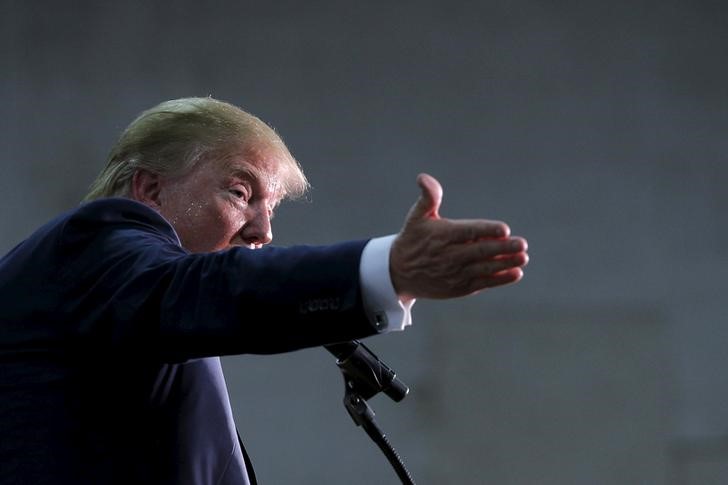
224,203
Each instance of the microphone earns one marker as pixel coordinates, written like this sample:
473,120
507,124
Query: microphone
365,373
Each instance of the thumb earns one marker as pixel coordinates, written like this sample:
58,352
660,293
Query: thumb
428,205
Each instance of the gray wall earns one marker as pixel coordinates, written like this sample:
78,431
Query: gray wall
596,129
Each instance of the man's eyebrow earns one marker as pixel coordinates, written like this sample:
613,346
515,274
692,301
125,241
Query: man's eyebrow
244,172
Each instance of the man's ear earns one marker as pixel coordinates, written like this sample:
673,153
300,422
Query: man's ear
145,187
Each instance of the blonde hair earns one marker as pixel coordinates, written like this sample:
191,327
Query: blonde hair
174,136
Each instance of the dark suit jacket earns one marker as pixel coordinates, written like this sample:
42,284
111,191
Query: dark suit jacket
109,337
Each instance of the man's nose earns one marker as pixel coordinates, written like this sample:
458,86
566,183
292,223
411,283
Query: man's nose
257,229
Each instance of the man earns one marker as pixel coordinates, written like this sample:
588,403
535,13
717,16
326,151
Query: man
114,314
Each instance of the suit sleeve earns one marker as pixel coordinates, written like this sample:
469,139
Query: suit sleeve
130,287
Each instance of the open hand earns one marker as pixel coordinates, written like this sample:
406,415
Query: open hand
433,257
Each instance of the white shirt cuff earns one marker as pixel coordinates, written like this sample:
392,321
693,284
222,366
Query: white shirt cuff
381,304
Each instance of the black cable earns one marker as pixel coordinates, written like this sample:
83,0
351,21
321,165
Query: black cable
363,416
381,440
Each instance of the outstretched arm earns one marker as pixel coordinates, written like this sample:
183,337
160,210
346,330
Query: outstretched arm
434,257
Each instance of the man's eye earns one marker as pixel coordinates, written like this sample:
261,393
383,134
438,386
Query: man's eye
240,194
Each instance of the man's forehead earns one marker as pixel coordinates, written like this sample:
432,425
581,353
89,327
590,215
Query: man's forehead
259,162
265,173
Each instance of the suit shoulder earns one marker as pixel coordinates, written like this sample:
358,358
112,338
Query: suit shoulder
119,213
100,227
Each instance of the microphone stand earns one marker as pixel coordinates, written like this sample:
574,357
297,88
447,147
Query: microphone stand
364,377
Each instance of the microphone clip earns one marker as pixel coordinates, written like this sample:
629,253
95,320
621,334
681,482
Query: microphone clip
366,375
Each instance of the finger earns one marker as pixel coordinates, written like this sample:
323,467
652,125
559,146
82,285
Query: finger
505,277
487,249
495,266
518,259
428,205
493,272
507,246
466,230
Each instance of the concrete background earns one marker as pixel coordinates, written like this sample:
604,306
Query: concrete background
596,129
